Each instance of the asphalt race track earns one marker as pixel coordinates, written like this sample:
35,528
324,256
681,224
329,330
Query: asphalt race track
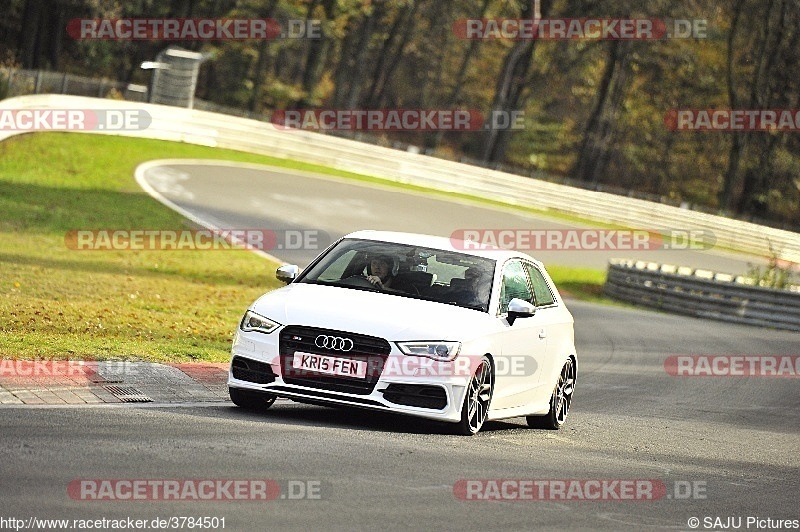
243,197
713,447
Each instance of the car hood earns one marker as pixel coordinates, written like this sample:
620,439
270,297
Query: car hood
389,316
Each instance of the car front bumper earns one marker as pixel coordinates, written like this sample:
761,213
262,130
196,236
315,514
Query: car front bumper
406,384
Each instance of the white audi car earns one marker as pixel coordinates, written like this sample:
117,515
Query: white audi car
411,324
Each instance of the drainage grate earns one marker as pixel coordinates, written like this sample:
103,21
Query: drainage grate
128,394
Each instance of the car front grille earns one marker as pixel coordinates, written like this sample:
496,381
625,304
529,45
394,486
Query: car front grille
369,349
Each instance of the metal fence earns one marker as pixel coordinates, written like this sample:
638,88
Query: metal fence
703,294
19,82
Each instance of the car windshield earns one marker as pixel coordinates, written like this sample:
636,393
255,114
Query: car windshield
409,271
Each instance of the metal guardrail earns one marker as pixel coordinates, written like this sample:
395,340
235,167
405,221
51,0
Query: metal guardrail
702,293
17,82
253,136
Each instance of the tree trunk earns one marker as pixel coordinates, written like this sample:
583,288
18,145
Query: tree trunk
259,76
341,76
392,52
262,62
317,53
593,152
383,57
760,98
360,58
433,140
738,139
181,8
510,86
55,32
29,34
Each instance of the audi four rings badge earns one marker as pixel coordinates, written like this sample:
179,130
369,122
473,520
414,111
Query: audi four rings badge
336,343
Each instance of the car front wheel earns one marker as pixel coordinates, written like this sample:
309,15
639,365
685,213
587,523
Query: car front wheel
477,400
560,401
251,400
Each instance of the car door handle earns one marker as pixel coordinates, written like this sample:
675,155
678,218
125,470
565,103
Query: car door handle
542,334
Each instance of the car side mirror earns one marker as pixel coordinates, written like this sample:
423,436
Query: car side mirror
287,273
519,308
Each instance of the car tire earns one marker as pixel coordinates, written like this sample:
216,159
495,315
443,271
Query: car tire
560,400
477,399
251,400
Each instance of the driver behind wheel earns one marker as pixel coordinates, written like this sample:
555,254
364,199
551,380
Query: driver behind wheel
381,271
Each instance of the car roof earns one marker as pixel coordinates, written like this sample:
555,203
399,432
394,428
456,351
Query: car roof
438,242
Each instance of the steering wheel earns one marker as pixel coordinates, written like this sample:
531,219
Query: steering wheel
416,290
359,281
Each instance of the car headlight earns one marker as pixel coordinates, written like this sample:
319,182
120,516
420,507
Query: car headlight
256,322
444,351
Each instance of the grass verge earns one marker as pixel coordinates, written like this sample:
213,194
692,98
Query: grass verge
162,306
55,302
585,284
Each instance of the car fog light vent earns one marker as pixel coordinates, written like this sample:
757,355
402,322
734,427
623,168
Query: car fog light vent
128,394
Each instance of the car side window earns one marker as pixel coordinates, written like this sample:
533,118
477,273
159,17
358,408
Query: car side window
515,284
541,290
335,270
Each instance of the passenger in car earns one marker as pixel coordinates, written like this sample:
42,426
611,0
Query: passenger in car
472,290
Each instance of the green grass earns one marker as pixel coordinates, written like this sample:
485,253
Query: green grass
172,306
144,305
581,283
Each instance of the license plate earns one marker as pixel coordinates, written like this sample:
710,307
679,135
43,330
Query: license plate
343,367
